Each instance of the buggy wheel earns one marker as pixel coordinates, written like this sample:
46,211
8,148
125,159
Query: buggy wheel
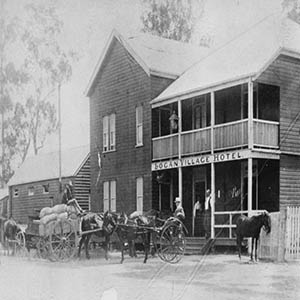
20,244
63,241
172,243
43,248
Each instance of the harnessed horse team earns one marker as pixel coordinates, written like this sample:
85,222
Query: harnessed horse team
110,222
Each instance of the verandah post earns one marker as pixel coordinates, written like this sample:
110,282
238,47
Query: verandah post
179,149
213,188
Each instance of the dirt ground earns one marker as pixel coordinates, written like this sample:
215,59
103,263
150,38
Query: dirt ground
216,277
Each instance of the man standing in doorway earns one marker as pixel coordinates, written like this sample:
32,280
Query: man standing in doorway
179,211
207,213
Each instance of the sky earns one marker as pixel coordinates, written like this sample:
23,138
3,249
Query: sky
88,24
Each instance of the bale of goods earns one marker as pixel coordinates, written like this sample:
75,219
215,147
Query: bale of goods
47,219
71,209
45,211
73,216
59,208
62,216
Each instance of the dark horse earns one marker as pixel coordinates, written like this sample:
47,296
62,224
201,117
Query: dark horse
128,230
10,230
250,228
93,222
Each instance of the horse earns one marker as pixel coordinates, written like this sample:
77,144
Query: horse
250,227
129,229
92,221
10,231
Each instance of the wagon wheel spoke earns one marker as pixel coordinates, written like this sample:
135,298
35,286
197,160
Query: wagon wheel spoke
63,241
20,244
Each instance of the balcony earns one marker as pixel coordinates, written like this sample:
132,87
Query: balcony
226,136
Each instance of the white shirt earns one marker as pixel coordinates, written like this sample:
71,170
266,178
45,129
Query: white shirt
207,202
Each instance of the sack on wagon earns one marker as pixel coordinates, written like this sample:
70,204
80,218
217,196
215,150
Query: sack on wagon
59,208
46,219
62,216
45,211
71,209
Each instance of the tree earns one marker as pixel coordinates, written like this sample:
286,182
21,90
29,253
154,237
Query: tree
173,19
293,9
48,67
11,78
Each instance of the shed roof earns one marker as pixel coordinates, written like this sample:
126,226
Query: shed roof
46,166
3,193
158,56
245,56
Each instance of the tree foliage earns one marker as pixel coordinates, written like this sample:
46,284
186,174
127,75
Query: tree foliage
293,9
11,79
171,19
28,89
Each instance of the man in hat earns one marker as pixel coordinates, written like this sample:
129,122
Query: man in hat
207,213
69,199
179,211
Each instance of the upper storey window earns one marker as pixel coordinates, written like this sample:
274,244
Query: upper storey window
139,125
109,133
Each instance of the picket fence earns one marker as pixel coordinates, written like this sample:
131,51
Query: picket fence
292,240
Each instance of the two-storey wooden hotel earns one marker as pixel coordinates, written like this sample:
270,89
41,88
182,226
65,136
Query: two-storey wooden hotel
167,122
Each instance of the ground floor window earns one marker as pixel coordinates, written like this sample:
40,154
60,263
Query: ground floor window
109,195
139,194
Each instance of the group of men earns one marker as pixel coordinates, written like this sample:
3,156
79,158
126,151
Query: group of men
180,214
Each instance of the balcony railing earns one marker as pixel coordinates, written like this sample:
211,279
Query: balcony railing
226,136
266,133
196,141
231,134
165,146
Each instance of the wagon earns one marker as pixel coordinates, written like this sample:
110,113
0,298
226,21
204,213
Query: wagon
168,236
170,240
56,240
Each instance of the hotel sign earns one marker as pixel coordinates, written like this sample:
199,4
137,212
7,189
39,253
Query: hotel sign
200,160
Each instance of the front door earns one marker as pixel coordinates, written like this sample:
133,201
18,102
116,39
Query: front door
198,212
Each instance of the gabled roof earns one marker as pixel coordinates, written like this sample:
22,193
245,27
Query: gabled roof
245,56
46,166
156,55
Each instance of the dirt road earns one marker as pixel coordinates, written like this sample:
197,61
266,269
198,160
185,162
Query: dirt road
195,277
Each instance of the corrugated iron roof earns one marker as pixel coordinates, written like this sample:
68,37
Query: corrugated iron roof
46,166
245,56
158,56
164,55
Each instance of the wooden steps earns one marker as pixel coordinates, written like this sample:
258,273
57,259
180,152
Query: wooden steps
201,246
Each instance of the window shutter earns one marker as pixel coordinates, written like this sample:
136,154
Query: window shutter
139,194
113,206
112,130
105,133
139,125
105,196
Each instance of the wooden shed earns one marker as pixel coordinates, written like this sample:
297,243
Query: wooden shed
36,183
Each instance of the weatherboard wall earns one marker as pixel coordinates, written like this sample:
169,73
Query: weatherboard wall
285,72
122,85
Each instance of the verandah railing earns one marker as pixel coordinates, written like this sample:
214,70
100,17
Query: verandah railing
226,136
225,221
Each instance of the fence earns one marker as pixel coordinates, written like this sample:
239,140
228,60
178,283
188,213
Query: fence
283,242
292,244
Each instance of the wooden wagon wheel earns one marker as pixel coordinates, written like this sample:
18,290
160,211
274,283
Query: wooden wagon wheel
43,248
172,242
20,244
63,241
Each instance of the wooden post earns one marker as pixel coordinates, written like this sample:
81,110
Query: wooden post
250,114
59,137
179,149
213,187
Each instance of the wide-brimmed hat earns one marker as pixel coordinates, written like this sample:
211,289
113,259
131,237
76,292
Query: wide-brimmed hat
177,199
